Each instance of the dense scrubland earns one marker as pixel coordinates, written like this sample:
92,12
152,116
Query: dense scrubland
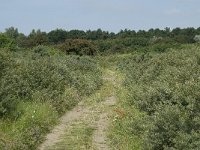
44,75
38,86
161,100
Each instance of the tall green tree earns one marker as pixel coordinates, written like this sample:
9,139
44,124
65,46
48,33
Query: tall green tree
12,32
57,36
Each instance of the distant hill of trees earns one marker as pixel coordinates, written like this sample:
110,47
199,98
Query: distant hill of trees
104,41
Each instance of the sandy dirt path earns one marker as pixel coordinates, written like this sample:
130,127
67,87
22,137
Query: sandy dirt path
95,114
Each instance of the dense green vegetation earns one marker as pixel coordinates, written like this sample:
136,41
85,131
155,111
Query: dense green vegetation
37,86
162,102
92,42
45,74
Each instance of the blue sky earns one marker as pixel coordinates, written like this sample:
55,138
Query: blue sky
110,15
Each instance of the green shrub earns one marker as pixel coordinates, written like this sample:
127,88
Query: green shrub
6,42
7,102
46,51
173,128
36,87
166,86
122,45
49,76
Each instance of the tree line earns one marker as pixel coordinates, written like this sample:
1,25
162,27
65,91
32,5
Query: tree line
99,39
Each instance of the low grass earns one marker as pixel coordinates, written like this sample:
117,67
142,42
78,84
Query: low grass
126,130
78,136
27,131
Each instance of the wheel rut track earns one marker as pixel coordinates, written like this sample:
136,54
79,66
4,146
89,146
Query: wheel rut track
99,137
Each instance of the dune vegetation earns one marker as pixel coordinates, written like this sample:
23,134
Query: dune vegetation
154,76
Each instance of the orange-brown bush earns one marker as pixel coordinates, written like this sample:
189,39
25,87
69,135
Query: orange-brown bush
78,47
